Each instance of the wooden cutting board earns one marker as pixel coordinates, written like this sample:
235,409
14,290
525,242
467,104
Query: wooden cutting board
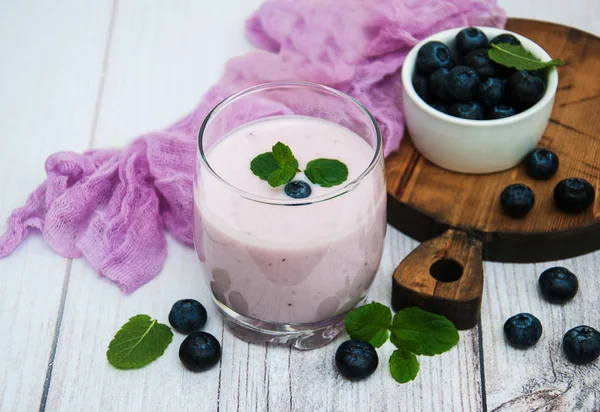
459,217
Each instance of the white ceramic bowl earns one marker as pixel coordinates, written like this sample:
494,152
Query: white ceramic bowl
474,146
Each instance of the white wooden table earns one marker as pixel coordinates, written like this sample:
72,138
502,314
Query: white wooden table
79,74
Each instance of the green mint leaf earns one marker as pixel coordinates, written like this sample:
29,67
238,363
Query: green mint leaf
404,366
413,346
263,165
422,332
281,176
369,323
517,56
140,341
326,172
284,156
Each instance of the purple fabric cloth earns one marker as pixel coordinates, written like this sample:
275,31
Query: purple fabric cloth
113,206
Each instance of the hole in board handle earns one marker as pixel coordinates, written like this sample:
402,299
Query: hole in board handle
446,270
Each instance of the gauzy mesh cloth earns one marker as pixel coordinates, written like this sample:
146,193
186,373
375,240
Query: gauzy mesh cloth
114,206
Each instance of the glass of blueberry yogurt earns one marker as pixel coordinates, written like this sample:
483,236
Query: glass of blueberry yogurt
467,113
286,259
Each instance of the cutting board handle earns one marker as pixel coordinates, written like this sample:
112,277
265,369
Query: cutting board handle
443,275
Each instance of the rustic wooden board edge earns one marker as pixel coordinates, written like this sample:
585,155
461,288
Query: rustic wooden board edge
524,248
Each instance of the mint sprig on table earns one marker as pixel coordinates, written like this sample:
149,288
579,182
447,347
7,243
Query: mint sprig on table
518,57
413,331
279,166
139,341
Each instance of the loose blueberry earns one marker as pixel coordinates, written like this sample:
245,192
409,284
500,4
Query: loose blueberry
517,200
522,331
524,89
187,316
200,351
574,195
297,189
470,39
500,111
469,110
437,85
491,91
558,284
582,344
505,38
462,83
442,107
421,85
432,56
541,164
356,359
479,61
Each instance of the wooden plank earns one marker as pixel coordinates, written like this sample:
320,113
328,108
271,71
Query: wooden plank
540,377
52,56
162,57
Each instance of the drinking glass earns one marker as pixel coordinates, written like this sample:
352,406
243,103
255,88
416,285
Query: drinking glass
270,277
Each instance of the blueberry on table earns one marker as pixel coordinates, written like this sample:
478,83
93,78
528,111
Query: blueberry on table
469,110
421,85
500,111
462,83
187,316
432,56
470,39
541,164
582,344
524,89
574,195
441,107
558,284
517,200
505,38
479,61
437,85
522,331
200,351
297,189
491,91
356,359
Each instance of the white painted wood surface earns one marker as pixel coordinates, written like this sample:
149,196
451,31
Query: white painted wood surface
79,74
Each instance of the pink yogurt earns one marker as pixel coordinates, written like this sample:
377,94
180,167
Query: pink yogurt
287,263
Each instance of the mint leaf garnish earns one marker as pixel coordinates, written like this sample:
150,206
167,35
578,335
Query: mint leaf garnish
519,57
414,332
281,176
422,332
284,156
369,323
263,165
326,172
140,341
277,167
404,366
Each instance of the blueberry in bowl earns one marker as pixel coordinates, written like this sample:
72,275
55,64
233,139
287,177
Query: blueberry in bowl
471,39
469,110
500,111
465,140
433,56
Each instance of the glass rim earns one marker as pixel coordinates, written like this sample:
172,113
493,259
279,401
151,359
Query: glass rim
347,187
